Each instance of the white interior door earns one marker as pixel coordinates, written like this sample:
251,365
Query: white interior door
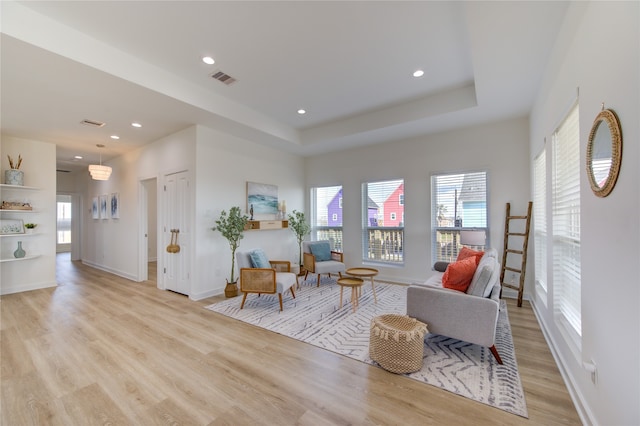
177,203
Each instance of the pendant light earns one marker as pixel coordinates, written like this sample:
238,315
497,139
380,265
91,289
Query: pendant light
100,172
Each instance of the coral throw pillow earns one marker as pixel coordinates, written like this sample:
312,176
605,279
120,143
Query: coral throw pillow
459,274
466,252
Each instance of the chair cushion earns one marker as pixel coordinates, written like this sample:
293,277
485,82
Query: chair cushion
486,276
284,281
459,274
329,267
259,259
321,250
243,259
482,276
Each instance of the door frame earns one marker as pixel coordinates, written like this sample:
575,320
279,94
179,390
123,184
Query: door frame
143,240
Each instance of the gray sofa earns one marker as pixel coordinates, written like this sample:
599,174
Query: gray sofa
471,316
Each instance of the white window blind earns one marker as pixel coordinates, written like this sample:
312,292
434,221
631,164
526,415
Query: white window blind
566,224
458,203
326,215
383,221
540,217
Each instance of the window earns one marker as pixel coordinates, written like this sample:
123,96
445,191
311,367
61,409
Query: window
565,208
540,220
326,215
63,222
382,231
458,203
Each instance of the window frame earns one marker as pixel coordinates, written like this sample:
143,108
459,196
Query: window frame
450,235
318,231
565,229
388,249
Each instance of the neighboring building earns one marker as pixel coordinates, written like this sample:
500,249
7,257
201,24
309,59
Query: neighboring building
372,212
334,210
393,208
473,201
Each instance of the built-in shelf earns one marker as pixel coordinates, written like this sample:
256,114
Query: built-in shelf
19,235
13,259
5,186
262,225
18,211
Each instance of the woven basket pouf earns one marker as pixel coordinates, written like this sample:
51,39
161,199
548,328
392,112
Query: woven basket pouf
396,342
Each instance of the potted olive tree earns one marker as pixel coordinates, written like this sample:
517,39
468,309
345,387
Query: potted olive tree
301,228
231,226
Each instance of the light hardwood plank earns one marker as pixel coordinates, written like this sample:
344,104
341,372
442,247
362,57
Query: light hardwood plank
100,349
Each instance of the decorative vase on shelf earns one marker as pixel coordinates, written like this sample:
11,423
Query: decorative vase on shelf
14,177
19,253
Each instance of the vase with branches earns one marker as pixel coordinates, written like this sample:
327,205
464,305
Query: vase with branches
300,227
13,175
232,226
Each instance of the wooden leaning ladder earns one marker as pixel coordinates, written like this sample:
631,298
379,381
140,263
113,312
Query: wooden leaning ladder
509,251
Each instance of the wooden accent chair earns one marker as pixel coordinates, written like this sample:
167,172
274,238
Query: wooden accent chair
318,259
271,277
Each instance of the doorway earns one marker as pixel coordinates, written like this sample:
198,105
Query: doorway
68,225
149,238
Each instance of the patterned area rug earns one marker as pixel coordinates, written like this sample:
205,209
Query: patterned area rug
315,318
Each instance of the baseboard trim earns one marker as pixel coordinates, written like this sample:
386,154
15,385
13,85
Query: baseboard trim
582,407
29,287
208,293
110,270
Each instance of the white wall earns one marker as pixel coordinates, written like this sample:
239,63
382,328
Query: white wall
114,244
499,148
224,165
599,53
39,166
220,165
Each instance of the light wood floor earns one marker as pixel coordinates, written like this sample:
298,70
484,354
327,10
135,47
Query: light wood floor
99,349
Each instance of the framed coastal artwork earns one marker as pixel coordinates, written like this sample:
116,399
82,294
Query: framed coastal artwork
103,207
262,198
114,204
95,209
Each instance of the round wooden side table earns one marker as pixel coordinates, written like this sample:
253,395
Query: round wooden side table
365,273
355,284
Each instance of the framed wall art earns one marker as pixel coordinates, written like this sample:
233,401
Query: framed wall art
95,209
115,205
103,207
11,226
262,198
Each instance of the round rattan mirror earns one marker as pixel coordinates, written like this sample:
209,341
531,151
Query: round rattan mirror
604,153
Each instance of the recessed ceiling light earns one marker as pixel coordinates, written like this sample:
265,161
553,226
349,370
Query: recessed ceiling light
418,73
301,111
136,124
115,137
78,157
208,60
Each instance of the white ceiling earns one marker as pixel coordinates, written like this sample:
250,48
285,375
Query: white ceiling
349,64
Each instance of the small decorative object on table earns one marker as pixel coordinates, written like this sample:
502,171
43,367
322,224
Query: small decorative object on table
397,343
19,253
14,176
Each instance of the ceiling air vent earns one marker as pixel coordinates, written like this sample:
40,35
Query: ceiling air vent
222,77
63,171
93,123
